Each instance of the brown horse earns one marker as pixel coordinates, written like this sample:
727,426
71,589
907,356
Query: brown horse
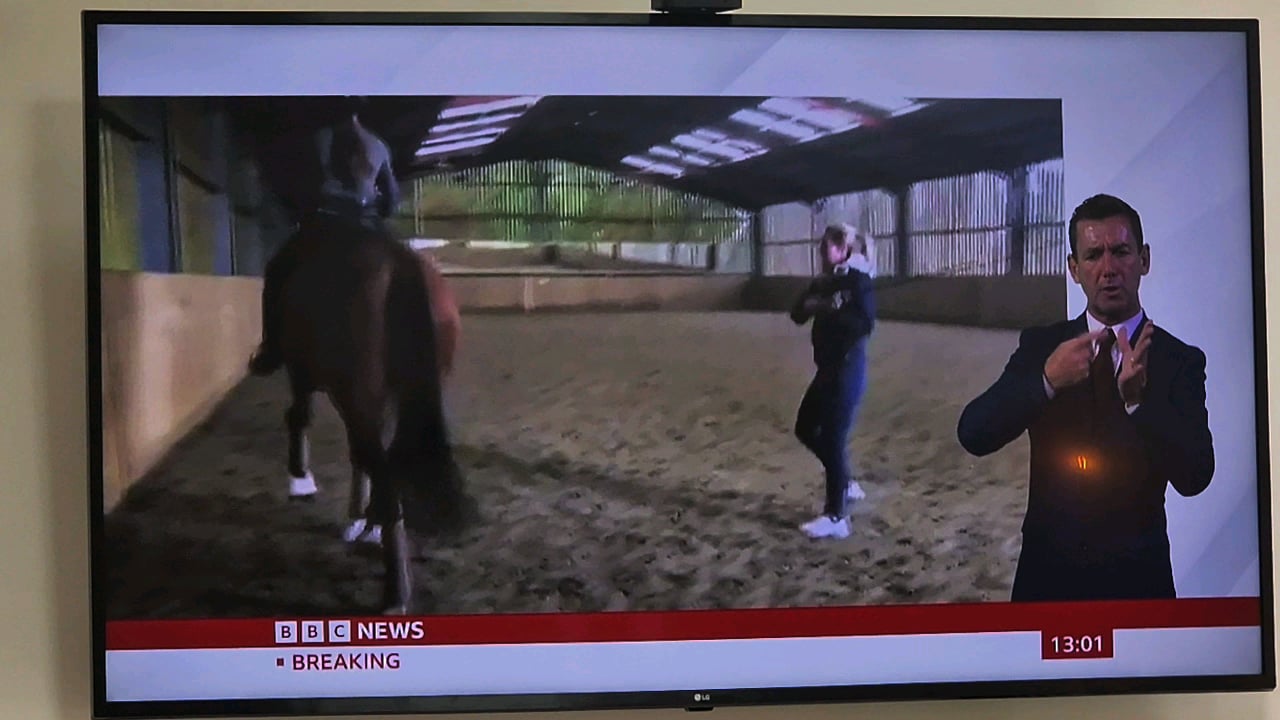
356,325
447,326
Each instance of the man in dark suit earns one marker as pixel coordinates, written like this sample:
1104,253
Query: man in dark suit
1112,422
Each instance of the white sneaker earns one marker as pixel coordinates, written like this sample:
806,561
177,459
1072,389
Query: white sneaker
824,526
855,492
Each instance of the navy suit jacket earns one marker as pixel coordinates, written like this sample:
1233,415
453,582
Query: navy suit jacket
1098,474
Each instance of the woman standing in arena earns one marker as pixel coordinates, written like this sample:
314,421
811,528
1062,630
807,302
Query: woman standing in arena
841,303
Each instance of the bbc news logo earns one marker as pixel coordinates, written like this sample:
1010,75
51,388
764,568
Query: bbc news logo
312,631
293,632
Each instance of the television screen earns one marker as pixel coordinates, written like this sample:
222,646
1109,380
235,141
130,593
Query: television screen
497,362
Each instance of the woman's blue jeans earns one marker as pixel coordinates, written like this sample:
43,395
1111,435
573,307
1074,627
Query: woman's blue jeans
826,418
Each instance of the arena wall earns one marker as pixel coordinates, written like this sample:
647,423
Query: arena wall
1009,302
172,347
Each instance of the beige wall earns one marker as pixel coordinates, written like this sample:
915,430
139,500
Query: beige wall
172,347
44,643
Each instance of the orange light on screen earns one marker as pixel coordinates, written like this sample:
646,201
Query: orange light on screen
1084,464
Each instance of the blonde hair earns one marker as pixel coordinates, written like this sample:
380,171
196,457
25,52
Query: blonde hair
843,235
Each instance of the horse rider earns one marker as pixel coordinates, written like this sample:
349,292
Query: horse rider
357,185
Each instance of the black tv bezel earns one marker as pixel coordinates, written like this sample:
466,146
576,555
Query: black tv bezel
91,20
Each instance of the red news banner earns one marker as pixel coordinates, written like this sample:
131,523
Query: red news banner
1068,630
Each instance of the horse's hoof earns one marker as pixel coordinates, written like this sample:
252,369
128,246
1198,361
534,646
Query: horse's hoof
397,610
360,531
354,530
302,487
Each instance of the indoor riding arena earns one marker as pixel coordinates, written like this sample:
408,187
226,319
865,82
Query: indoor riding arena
624,391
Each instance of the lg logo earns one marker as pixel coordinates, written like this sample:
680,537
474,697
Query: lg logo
702,697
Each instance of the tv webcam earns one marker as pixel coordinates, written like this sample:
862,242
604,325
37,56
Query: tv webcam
696,7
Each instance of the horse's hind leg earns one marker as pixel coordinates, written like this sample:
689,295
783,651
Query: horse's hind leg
360,510
398,592
398,583
362,525
302,484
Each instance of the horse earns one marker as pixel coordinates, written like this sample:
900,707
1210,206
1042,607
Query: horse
448,326
356,325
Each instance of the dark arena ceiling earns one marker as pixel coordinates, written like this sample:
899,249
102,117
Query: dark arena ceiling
749,152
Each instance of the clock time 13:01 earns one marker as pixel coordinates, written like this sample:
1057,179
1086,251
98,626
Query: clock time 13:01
1073,645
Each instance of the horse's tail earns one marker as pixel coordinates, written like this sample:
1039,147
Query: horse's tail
421,454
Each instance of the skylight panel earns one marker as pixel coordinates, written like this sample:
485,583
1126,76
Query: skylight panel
788,121
910,108
831,119
485,120
727,151
793,130
788,107
523,102
642,163
890,105
490,133
693,141
473,124
429,150
754,118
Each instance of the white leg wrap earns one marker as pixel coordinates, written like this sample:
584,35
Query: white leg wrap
302,486
360,531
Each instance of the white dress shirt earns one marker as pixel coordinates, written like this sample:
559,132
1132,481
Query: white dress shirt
1130,327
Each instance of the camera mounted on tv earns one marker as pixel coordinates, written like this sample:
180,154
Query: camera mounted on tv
696,7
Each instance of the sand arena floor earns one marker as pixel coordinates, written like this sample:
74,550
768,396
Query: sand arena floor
623,462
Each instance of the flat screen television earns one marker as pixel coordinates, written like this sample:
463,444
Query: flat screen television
662,360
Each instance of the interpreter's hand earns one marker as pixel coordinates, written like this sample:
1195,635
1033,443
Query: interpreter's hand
1069,363
1133,363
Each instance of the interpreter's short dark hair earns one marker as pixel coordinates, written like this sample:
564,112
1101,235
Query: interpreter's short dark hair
1101,207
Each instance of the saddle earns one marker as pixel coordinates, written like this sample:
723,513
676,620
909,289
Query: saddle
349,207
